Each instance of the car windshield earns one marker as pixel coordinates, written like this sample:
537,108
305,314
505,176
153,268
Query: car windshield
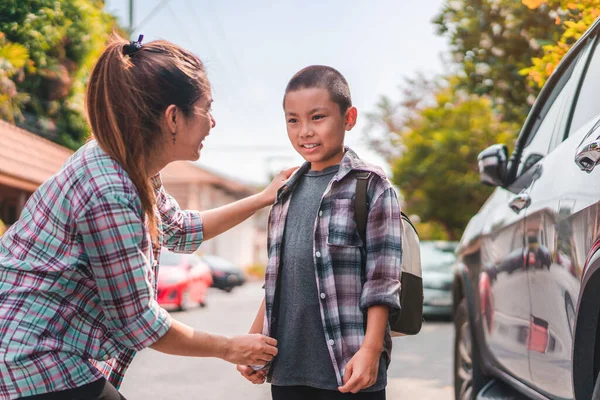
168,258
437,256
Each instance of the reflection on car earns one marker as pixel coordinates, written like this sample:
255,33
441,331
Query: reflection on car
183,281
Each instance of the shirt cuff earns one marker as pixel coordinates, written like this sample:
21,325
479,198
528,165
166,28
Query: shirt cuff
146,328
384,291
156,182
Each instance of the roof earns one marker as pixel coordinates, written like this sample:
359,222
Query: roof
28,160
188,172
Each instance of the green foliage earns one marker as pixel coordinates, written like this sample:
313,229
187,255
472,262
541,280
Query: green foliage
491,41
437,139
13,60
63,40
575,17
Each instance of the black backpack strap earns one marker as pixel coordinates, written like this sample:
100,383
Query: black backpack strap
361,207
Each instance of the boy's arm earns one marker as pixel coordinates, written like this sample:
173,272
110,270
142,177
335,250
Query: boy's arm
255,376
384,252
380,292
362,370
257,325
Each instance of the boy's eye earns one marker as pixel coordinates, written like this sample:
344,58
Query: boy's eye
318,117
292,120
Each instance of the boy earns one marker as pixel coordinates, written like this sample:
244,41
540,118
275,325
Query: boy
328,312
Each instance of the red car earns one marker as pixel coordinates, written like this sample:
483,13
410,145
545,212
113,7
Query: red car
183,280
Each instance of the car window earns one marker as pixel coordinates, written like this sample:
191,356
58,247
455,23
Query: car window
588,105
549,127
437,255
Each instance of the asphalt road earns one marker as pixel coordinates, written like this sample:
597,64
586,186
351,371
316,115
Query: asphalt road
421,365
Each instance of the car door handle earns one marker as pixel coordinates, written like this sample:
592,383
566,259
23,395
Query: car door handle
520,202
588,156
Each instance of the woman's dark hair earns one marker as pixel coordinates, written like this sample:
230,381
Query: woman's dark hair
129,90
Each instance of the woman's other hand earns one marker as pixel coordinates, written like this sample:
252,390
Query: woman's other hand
253,349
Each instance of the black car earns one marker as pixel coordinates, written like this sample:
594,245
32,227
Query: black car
437,259
527,280
226,275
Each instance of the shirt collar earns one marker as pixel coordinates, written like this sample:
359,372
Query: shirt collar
350,162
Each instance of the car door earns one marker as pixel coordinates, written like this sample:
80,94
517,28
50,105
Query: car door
511,331
503,287
558,235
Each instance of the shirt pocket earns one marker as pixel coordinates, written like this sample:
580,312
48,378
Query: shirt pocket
342,230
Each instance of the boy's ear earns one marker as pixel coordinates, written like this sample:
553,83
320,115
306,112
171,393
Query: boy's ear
351,115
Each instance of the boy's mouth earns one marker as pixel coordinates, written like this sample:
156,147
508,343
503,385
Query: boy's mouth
309,146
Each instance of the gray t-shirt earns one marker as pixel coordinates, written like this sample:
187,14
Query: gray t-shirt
303,357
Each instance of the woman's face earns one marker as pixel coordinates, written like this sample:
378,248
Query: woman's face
193,129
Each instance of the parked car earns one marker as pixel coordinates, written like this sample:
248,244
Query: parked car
527,277
226,275
183,281
437,259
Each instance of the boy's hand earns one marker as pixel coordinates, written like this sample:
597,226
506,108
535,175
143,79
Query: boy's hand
270,192
361,371
256,377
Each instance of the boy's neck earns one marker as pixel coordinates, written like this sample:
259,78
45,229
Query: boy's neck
321,165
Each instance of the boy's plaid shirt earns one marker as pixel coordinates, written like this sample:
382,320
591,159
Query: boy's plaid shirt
78,277
344,293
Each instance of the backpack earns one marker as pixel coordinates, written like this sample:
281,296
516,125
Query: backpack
407,320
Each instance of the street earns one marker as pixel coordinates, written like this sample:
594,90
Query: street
421,365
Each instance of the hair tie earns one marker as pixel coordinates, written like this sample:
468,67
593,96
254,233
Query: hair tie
133,46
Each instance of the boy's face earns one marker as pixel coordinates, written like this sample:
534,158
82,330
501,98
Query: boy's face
316,127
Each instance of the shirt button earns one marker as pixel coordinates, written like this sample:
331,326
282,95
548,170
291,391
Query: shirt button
331,342
318,254
320,213
323,295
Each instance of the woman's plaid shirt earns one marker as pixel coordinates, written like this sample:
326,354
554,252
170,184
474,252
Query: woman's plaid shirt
345,293
78,277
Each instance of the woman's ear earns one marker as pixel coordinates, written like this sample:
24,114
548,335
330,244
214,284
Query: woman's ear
171,118
351,115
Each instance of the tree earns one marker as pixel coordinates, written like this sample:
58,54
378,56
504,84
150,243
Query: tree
63,40
13,60
575,18
491,41
437,140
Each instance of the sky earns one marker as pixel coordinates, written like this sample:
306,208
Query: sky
252,48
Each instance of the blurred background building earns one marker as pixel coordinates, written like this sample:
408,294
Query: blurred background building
28,160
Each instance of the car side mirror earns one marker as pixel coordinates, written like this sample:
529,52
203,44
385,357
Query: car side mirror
492,165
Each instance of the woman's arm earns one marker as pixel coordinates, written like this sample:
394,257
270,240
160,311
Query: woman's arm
219,220
183,340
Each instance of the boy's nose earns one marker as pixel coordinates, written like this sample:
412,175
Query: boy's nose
306,132
213,121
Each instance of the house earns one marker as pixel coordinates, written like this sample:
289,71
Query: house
27,160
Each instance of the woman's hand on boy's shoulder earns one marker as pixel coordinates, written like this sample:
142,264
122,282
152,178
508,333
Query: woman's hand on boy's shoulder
361,371
270,192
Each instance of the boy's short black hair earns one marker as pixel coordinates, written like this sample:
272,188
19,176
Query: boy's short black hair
324,77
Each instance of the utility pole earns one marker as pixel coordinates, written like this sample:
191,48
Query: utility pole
130,18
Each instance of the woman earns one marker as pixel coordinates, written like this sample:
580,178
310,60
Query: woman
78,269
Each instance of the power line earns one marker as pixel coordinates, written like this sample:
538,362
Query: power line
156,9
